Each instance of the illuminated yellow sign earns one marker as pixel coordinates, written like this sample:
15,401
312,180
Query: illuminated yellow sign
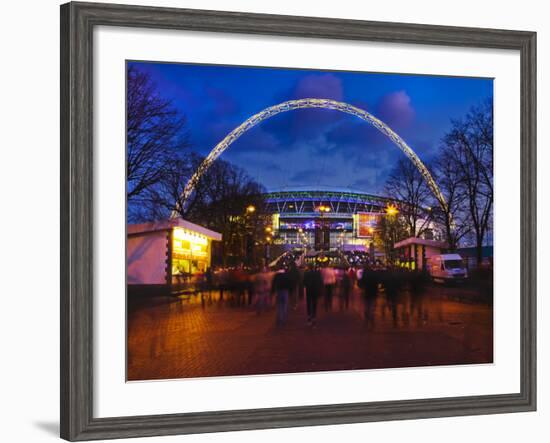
187,244
182,234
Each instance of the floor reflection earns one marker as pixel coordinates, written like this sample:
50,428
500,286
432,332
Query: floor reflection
207,334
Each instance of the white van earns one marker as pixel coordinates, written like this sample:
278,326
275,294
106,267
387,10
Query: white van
447,267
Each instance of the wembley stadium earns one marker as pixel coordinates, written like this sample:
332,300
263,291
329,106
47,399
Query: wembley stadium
323,218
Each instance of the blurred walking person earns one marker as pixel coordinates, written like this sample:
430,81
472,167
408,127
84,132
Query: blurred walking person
281,286
346,289
313,284
294,276
329,280
392,282
262,288
369,285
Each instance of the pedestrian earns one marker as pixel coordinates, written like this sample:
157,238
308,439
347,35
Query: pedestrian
329,280
359,274
352,276
392,282
294,276
208,284
239,284
369,285
313,284
346,289
281,286
262,286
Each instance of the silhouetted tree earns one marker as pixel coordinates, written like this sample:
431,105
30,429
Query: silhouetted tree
406,185
455,217
389,230
219,202
468,149
156,135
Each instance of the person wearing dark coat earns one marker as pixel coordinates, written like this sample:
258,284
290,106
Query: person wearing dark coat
281,286
369,284
294,275
346,289
313,284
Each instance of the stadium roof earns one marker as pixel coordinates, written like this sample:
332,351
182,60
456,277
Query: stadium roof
305,201
321,188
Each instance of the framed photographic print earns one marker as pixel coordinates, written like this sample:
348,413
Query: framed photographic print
274,221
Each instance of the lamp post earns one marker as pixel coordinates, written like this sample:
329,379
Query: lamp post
248,239
267,252
322,209
391,213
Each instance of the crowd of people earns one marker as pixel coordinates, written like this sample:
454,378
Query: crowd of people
286,285
290,284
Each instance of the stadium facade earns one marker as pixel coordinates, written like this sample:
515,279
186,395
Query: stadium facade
323,218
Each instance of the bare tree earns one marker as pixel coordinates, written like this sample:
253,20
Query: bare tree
468,147
454,218
155,134
406,185
390,229
219,201
158,201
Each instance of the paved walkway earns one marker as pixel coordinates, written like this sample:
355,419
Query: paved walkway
174,338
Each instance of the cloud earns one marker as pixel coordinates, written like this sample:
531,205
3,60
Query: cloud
311,175
423,147
222,103
314,146
258,140
358,142
395,110
352,132
361,104
282,131
217,116
308,122
366,183
302,124
254,162
319,86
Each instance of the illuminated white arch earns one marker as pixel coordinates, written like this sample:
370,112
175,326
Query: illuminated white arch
303,104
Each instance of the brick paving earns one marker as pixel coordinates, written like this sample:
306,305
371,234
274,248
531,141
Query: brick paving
183,337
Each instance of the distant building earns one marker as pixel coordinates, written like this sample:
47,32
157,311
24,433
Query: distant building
326,218
167,253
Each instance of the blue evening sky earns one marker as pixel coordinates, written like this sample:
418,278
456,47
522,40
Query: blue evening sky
315,147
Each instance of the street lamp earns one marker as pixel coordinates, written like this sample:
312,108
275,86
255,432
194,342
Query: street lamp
392,210
324,210
250,209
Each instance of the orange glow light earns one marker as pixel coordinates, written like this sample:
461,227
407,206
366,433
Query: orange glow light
391,210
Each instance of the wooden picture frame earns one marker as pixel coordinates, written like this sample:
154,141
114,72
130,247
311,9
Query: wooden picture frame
77,216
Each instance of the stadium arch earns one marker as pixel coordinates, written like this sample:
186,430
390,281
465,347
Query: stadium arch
308,103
